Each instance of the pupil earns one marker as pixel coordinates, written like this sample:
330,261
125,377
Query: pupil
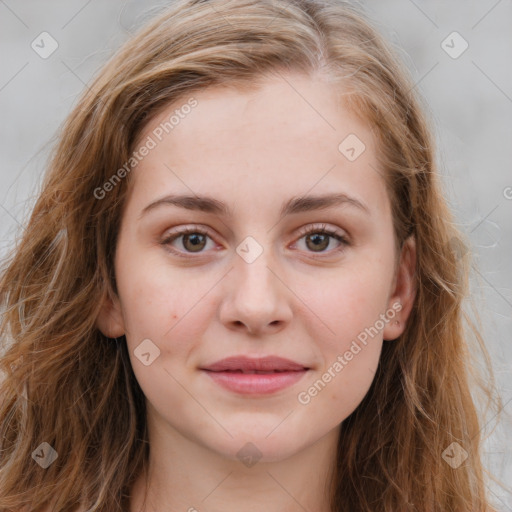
319,240
195,240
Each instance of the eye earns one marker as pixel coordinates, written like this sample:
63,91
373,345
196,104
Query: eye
317,238
193,240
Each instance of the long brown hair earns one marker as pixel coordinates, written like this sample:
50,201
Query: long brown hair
68,388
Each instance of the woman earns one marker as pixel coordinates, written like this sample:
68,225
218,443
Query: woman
241,285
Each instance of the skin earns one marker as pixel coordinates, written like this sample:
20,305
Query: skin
254,150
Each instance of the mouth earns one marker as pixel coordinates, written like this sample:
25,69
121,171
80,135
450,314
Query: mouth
250,364
261,376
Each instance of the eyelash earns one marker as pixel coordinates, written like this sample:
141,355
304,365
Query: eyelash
323,230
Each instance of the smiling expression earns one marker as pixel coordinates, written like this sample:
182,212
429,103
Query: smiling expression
247,232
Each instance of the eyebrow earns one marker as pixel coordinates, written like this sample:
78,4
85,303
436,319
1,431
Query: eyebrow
292,206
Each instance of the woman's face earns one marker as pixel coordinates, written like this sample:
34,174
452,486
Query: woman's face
257,284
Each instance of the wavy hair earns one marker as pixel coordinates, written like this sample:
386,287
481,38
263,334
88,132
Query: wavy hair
65,384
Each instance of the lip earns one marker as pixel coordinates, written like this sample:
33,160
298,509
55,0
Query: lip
244,363
234,374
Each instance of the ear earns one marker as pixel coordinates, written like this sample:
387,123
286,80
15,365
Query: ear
110,318
403,292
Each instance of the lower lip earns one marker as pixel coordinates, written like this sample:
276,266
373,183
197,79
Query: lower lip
256,383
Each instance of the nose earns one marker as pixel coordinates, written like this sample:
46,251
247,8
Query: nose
256,297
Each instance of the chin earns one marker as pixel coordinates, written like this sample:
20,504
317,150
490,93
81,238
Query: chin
259,447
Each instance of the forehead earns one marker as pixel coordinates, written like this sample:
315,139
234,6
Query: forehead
291,134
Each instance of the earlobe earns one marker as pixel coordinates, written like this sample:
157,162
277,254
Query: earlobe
402,297
110,318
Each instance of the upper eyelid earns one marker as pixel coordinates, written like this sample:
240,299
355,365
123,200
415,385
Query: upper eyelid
308,227
321,226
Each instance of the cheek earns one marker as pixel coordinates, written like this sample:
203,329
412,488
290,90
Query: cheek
161,302
351,380
345,303
162,306
347,310
349,355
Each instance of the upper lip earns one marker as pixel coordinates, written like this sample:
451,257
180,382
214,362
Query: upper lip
244,363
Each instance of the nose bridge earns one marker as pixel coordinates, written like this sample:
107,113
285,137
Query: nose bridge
255,297
253,278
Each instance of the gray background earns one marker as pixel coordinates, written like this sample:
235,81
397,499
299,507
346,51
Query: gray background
470,99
